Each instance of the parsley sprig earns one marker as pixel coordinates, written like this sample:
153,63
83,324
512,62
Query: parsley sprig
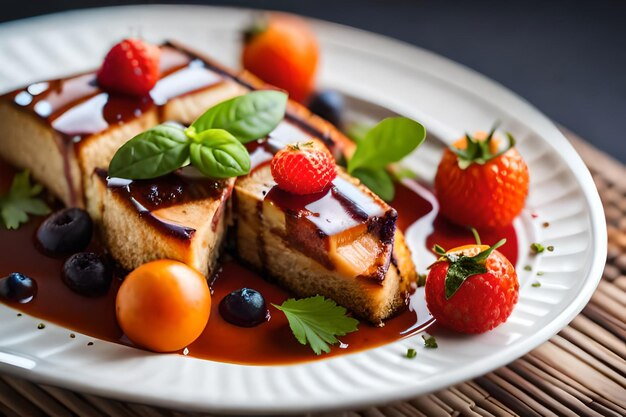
20,201
317,321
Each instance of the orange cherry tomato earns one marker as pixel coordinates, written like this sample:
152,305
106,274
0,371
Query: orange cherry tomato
163,305
283,51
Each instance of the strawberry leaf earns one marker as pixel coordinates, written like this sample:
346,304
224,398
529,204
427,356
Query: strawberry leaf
317,321
20,201
462,267
478,151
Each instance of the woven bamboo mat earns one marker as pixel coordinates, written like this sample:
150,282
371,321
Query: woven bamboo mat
580,371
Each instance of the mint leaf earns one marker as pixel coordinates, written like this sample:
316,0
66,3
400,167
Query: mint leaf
249,117
358,131
316,321
20,201
389,141
153,153
378,181
218,154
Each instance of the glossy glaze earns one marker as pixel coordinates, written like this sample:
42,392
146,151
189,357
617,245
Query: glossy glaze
266,344
76,107
149,196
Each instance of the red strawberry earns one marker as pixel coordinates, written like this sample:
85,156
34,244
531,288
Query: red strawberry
472,288
131,67
303,168
477,185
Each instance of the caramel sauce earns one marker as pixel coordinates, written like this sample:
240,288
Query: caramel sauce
148,196
267,344
76,107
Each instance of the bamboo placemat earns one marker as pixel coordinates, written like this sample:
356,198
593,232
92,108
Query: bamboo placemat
580,371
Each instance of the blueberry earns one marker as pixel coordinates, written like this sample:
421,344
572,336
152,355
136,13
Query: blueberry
86,273
66,231
244,308
329,105
18,287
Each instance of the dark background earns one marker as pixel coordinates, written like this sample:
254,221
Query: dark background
568,58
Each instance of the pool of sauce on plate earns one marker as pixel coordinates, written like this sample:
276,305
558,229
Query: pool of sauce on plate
268,343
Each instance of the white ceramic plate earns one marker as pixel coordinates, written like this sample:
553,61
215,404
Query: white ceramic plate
448,99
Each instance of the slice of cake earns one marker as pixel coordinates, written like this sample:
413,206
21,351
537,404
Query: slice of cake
63,129
173,217
341,243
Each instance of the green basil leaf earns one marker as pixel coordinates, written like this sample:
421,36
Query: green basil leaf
247,118
153,153
218,154
389,141
378,181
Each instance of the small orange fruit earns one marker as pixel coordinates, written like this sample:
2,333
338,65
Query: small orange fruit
283,51
163,305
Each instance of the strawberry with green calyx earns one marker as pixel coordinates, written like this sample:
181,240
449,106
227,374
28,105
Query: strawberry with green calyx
472,288
480,151
303,168
478,184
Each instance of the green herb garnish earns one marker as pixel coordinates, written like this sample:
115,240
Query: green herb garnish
317,321
550,248
20,201
537,248
213,144
462,267
478,151
430,342
421,279
528,268
389,141
411,353
536,284
540,273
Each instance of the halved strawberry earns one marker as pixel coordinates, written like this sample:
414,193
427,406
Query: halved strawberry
303,168
131,67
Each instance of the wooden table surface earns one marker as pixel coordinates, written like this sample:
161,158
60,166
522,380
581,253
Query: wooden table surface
580,371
